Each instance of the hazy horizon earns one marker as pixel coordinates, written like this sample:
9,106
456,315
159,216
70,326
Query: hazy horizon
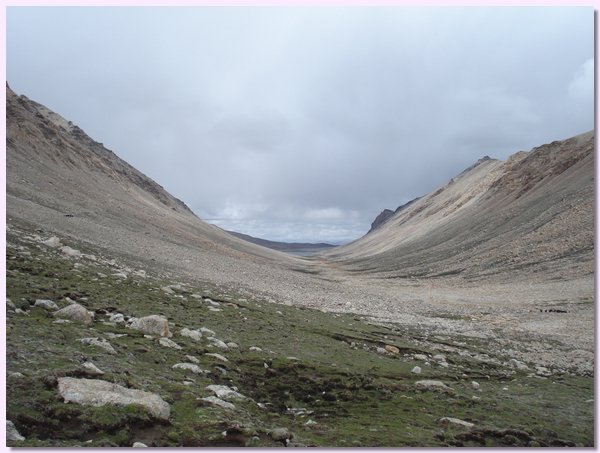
301,124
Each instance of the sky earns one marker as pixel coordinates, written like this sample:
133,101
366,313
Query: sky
304,123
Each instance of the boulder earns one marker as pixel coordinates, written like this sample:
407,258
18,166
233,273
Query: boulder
53,242
514,363
193,334
74,312
416,370
153,325
206,331
168,343
431,385
46,304
139,445
281,434
96,392
12,433
188,366
218,343
392,349
70,251
91,369
225,393
100,343
455,421
218,402
217,356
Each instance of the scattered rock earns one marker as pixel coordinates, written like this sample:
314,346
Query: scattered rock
416,370
16,375
95,392
217,356
431,385
168,343
99,342
70,251
381,350
192,359
92,369
218,343
232,345
514,363
281,434
193,334
218,402
206,331
153,324
212,303
75,312
122,275
225,393
46,304
455,421
117,318
168,290
475,385
392,349
12,433
53,242
9,304
542,371
254,349
188,366
139,445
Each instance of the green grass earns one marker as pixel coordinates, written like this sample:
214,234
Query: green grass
324,363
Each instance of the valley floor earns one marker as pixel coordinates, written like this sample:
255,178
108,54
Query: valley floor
318,356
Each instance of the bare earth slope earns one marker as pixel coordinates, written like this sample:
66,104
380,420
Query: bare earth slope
485,256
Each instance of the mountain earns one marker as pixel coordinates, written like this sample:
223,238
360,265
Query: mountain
288,247
530,217
387,213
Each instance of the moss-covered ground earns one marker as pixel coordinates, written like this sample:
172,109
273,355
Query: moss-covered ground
323,376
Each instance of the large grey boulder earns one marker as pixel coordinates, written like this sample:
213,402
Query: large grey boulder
225,393
46,304
100,343
12,433
431,385
193,334
74,312
153,325
96,392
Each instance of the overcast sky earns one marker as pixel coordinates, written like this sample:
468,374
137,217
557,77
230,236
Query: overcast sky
303,123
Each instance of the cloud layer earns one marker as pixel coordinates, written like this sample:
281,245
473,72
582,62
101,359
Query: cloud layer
303,123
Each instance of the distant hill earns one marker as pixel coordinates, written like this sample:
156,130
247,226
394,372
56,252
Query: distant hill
289,247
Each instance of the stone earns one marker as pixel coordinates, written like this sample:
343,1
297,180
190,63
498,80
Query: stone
439,358
542,371
217,356
153,325
12,433
514,363
139,445
66,250
122,275
455,421
74,312
96,392
225,393
214,309
168,290
9,304
381,350
475,385
117,318
392,349
193,334
218,402
208,332
99,342
416,370
46,304
212,303
218,343
192,359
91,369
232,345
431,385
255,349
188,367
168,343
53,242
281,434
16,375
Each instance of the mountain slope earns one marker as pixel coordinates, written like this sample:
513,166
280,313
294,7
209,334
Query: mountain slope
283,246
528,217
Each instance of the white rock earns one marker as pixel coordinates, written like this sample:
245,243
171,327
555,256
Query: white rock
12,433
62,321
52,242
95,392
74,312
117,318
99,342
218,402
514,363
188,367
232,345
16,375
208,332
92,369
455,421
113,335
416,370
218,343
217,356
9,304
168,343
214,309
439,358
212,303
431,385
193,334
70,251
225,393
168,290
475,385
139,445
120,275
192,359
255,349
153,325
46,304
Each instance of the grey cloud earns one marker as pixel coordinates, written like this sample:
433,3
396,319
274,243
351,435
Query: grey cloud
303,123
